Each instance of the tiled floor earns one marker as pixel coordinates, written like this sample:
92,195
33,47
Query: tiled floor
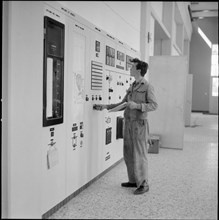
183,183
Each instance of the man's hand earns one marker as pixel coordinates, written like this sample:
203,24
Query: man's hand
132,105
99,107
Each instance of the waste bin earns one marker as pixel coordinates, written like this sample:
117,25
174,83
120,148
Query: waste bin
154,144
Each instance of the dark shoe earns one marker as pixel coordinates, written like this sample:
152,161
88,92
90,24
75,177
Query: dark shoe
128,184
141,190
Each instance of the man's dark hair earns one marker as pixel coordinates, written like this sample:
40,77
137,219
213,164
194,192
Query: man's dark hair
143,66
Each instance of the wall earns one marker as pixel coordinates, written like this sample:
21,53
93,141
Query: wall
4,162
172,27
200,62
24,109
175,52
120,19
183,9
210,27
158,8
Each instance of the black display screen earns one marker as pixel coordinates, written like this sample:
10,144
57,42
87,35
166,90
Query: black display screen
110,56
53,74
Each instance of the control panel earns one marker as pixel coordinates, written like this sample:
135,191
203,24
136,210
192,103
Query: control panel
82,66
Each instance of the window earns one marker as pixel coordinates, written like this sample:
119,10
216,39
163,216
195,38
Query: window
208,42
214,69
214,86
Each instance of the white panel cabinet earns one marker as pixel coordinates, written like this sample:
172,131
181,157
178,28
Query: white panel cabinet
168,77
188,101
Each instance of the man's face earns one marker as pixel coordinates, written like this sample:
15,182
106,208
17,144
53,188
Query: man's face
133,71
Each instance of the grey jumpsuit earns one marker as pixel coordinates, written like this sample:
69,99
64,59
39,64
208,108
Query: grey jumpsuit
136,130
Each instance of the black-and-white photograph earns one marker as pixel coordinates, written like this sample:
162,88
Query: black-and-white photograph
109,110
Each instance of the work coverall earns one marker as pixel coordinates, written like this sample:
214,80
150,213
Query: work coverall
136,130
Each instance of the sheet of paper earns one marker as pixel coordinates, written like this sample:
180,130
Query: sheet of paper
119,107
52,157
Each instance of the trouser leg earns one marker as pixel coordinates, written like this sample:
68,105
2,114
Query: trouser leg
128,152
135,151
139,138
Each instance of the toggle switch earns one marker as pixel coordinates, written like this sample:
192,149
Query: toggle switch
81,135
74,141
110,78
81,125
81,143
52,143
87,99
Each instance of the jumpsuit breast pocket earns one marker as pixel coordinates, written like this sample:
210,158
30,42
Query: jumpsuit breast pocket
141,95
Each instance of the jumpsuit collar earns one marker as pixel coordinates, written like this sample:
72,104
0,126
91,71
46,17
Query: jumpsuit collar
138,85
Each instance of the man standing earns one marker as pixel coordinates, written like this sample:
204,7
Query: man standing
140,100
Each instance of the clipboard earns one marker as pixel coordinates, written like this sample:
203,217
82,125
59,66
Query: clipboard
118,108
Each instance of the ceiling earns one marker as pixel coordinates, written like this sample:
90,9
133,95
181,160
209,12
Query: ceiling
199,10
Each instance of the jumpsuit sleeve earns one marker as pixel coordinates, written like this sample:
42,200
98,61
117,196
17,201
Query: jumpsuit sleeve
151,103
110,106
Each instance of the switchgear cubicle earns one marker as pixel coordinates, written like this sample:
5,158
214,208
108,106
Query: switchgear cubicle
83,65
